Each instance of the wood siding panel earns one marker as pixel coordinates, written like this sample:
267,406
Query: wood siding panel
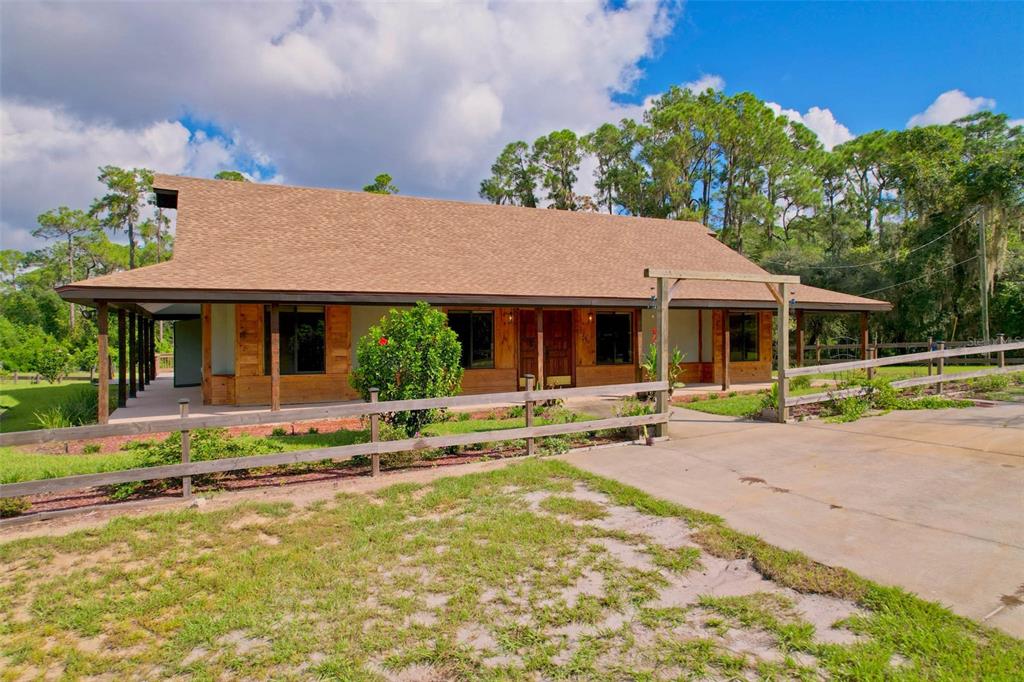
475,381
504,339
295,389
586,339
249,341
600,375
338,339
222,389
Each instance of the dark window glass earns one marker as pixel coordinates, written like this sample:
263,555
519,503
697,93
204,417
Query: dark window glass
743,337
303,348
475,329
614,338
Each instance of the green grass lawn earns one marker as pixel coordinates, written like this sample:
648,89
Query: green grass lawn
533,571
17,465
20,402
895,372
739,405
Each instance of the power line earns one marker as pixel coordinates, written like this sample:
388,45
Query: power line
891,258
928,274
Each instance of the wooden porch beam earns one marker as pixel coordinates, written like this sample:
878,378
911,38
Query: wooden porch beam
539,312
725,349
799,338
773,292
275,357
133,350
122,358
103,358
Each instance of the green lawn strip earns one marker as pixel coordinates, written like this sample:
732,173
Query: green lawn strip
19,402
895,372
17,465
739,405
363,585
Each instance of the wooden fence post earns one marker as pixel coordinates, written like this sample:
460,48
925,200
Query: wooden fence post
1001,355
817,353
930,363
531,444
941,370
186,455
872,355
374,434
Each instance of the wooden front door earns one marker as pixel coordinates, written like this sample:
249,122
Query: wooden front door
558,347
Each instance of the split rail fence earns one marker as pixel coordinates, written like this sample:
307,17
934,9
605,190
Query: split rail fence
374,449
940,377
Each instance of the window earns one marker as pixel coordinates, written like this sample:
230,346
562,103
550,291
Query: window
475,329
614,338
303,350
743,337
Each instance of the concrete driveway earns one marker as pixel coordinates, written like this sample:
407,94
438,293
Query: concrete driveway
932,501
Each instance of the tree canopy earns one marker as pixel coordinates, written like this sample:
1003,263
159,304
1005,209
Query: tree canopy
890,214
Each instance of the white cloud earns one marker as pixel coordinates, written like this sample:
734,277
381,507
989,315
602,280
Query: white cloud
707,81
822,122
50,158
332,93
1014,122
948,107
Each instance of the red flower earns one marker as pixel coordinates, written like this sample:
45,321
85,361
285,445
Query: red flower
383,341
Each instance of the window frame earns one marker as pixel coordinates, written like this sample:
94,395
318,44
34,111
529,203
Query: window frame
630,338
743,347
292,310
468,353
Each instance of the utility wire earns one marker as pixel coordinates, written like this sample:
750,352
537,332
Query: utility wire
891,258
928,274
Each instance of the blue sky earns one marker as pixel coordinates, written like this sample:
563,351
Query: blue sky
331,94
874,64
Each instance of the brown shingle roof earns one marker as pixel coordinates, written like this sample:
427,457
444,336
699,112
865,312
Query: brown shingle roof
234,237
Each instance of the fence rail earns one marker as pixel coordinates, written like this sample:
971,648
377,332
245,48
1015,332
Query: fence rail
374,448
939,378
164,362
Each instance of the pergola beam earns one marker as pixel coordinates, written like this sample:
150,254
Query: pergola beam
766,278
667,288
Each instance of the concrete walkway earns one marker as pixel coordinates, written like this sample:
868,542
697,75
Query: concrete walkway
932,501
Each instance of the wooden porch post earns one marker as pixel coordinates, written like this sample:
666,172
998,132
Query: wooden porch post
122,359
661,404
799,338
144,354
103,358
864,335
725,349
143,369
540,348
783,354
275,357
133,349
152,349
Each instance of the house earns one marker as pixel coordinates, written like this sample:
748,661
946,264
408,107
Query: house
517,284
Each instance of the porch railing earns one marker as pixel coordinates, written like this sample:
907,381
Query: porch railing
164,362
374,449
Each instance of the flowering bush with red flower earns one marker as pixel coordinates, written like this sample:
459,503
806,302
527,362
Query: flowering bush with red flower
409,354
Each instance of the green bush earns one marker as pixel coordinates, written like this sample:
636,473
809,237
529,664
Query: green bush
631,406
410,354
990,384
91,448
13,506
205,444
52,362
279,431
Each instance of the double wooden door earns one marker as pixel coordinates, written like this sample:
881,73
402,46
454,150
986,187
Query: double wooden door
558,344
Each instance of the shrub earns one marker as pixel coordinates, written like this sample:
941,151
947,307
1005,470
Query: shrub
52,362
13,506
990,384
204,444
516,411
312,430
633,407
279,431
410,354
90,448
